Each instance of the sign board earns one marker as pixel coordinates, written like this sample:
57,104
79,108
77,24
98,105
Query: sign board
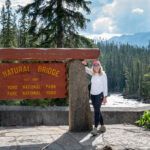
32,80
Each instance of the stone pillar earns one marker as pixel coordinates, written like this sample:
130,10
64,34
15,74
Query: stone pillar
79,109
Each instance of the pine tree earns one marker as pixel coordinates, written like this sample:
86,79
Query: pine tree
146,84
3,23
9,25
14,31
125,66
23,36
148,45
58,22
8,33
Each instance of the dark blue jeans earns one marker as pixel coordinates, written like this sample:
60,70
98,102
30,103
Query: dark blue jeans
97,102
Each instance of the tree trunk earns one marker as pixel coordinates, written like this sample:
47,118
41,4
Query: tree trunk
59,25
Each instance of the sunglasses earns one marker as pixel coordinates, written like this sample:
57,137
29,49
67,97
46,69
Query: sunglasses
96,65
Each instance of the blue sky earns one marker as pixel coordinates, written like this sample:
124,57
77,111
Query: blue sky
112,17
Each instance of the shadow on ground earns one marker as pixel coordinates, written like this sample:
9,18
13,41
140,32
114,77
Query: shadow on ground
57,141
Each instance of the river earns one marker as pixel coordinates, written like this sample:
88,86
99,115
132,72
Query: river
117,100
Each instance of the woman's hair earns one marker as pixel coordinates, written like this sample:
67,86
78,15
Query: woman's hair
100,72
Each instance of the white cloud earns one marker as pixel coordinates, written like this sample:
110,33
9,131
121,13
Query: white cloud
138,11
119,17
103,36
103,24
109,9
15,3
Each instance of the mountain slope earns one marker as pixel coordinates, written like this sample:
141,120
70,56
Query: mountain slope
139,39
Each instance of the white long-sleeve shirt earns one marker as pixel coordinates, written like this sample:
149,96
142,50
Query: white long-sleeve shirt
98,83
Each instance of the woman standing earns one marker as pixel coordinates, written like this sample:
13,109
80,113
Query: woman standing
98,92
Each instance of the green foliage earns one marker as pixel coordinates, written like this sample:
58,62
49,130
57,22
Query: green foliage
9,102
24,36
44,102
146,85
125,66
45,24
144,120
37,102
59,23
3,23
14,32
9,27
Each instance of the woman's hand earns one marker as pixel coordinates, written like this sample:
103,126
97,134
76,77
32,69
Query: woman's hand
104,100
84,62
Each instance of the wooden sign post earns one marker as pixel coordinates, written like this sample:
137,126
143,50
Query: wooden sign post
44,80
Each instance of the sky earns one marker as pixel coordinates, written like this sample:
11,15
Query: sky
110,18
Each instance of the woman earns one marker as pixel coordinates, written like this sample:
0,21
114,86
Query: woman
99,92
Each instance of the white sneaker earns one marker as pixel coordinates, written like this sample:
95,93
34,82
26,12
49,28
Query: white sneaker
102,128
94,131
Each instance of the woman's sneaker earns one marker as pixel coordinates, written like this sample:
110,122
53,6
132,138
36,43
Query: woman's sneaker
102,129
94,131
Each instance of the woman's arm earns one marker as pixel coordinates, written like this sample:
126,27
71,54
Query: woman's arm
87,69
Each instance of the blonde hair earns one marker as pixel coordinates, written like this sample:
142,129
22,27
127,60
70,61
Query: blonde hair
100,72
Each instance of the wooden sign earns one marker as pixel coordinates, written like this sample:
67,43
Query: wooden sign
48,54
32,80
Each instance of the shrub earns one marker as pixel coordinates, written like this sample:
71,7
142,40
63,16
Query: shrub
144,120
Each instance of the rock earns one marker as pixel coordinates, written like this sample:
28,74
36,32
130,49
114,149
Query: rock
146,101
80,118
107,148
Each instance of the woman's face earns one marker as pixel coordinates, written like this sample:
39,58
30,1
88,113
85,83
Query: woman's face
96,68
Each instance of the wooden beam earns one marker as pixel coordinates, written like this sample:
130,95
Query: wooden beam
48,54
